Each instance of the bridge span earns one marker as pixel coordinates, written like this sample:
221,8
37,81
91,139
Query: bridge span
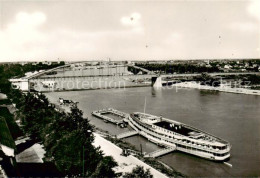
73,77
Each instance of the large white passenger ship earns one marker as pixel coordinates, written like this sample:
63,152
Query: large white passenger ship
185,138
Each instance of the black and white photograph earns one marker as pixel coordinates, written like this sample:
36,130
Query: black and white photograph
129,88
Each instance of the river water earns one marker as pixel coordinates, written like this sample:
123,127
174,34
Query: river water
233,117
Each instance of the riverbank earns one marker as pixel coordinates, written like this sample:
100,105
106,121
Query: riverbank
101,88
227,89
220,113
125,164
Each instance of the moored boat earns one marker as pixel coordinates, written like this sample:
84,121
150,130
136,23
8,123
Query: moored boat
185,138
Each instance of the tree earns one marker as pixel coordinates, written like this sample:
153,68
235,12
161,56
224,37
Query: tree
205,76
67,137
138,172
62,63
104,168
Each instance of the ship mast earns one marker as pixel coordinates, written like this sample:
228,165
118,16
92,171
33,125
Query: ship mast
144,104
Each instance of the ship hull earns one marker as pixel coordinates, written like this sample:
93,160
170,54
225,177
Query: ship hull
166,142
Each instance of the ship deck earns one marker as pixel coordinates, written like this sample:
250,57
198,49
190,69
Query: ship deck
181,130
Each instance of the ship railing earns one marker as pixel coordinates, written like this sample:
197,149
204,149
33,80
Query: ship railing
174,133
189,145
196,146
107,118
113,111
196,129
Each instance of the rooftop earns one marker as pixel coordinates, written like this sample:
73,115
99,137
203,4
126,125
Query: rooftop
5,134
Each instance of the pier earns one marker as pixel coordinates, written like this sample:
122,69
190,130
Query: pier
160,152
102,115
127,134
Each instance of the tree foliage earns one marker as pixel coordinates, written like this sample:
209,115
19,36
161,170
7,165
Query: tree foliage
138,172
178,68
67,137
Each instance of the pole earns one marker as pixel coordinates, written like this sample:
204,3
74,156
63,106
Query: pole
144,104
83,162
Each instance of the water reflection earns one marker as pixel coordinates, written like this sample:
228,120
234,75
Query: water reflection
209,92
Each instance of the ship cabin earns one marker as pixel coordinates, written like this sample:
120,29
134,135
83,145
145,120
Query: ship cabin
177,130
192,134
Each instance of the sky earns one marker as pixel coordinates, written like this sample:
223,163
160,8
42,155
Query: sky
128,30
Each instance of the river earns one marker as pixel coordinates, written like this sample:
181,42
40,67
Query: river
233,117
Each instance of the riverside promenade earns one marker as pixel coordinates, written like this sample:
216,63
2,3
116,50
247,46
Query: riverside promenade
125,164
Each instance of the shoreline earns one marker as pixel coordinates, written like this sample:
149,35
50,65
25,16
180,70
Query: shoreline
191,84
105,88
194,86
226,89
125,164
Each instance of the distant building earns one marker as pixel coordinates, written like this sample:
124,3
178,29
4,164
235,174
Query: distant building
130,62
96,63
47,62
227,66
23,63
254,65
21,83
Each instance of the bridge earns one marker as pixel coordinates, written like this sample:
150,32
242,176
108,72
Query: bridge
93,70
80,69
82,75
142,69
161,152
127,134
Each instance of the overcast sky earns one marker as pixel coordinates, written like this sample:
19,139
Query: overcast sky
128,30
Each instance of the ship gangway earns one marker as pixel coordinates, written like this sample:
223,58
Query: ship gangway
161,152
127,134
